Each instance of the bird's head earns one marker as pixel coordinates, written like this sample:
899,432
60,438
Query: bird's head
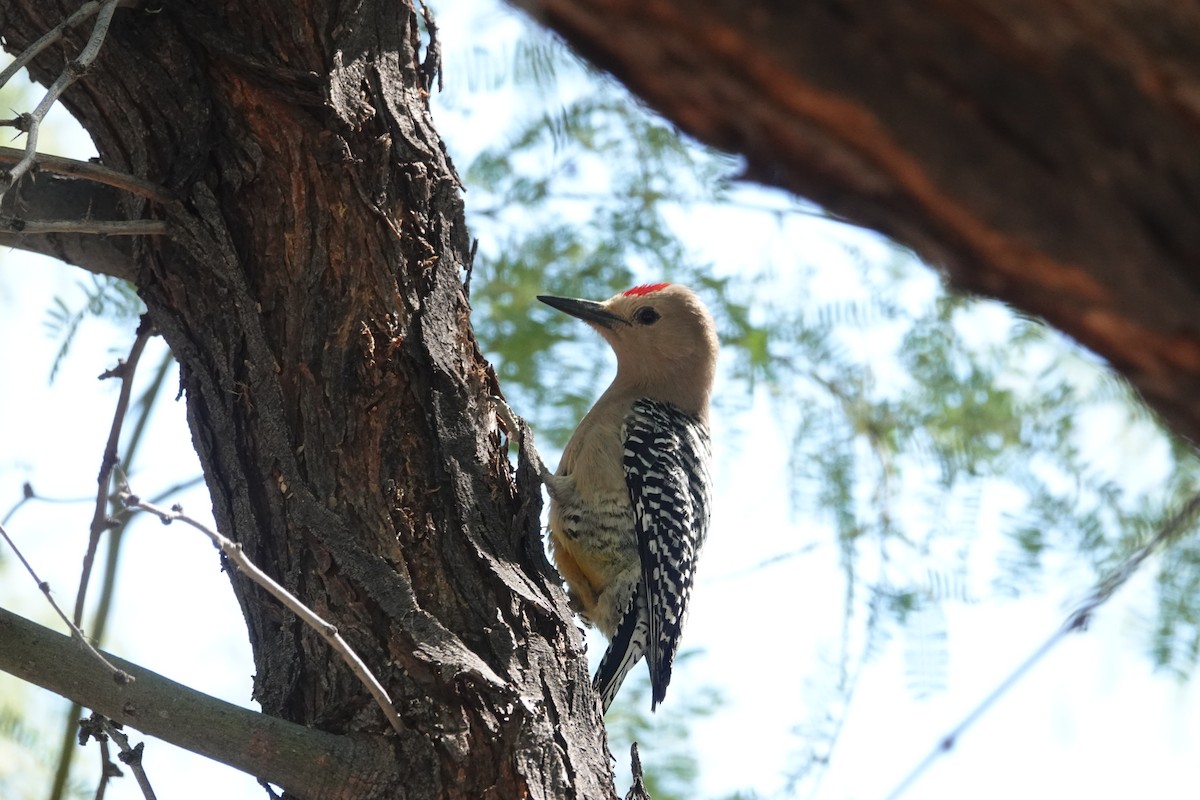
664,338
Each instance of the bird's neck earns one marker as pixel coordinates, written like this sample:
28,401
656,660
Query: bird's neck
688,390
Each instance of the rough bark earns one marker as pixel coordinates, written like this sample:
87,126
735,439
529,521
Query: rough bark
312,289
1041,151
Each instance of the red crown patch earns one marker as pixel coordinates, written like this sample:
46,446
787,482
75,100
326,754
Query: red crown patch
645,288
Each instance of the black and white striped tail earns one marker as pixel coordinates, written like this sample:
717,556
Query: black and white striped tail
624,651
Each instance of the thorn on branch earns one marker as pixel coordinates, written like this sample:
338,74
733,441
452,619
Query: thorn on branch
113,372
103,12
21,122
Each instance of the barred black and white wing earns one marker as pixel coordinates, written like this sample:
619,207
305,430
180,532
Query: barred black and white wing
666,462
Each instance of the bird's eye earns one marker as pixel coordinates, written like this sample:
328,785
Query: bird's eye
646,316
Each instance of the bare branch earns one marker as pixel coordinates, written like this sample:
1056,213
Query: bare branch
57,197
100,520
108,769
130,756
51,36
96,173
133,227
73,71
1100,594
327,630
302,760
118,675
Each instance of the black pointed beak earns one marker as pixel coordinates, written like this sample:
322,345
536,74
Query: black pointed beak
586,310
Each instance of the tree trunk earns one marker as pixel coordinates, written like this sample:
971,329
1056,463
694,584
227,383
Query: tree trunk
1041,151
312,288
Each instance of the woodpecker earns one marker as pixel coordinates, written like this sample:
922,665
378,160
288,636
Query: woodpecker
630,501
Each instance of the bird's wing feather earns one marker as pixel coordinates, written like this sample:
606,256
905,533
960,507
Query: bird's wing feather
666,470
626,647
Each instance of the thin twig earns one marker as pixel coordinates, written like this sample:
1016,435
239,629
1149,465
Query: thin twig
329,632
108,768
100,521
27,494
141,411
72,73
1076,621
130,756
48,38
119,675
122,227
96,173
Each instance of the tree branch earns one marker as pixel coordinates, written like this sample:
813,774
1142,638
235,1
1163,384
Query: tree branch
54,197
305,762
31,123
88,9
124,370
76,634
328,631
135,227
101,728
86,170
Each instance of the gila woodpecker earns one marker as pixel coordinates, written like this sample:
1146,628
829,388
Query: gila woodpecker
629,504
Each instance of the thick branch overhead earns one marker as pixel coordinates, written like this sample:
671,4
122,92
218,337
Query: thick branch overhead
1041,152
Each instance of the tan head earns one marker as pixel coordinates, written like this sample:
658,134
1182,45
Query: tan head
664,338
